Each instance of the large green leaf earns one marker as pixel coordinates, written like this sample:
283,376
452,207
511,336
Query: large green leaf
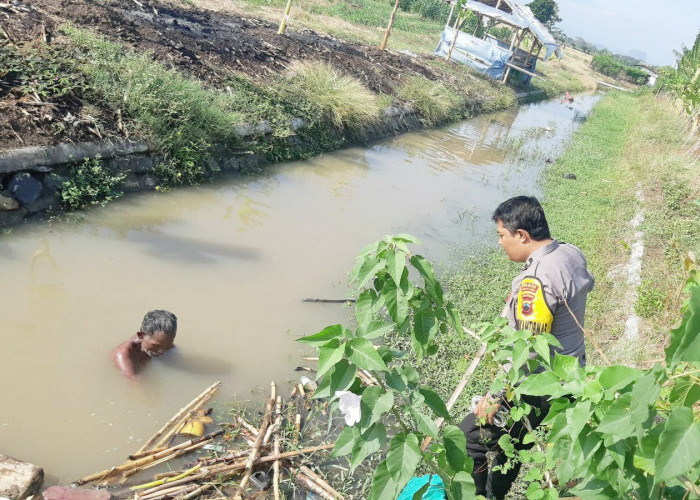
329,355
685,392
685,340
375,402
374,329
323,337
395,264
520,353
432,286
384,486
435,402
425,327
371,264
425,424
346,441
618,377
455,447
541,384
541,346
367,305
369,442
454,319
462,486
340,378
396,299
567,367
617,420
403,457
365,356
679,445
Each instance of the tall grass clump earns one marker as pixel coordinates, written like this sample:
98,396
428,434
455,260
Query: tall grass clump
177,113
343,99
434,101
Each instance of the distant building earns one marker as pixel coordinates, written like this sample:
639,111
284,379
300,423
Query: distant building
649,70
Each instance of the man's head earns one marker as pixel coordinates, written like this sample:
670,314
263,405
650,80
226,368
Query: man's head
157,333
522,227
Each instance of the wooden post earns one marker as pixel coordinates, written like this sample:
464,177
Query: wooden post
388,28
283,24
478,23
452,9
452,45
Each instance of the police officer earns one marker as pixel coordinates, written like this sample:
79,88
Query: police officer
549,295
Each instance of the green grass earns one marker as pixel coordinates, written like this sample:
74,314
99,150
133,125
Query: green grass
178,114
434,101
342,98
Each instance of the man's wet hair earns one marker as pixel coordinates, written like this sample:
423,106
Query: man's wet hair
523,212
159,321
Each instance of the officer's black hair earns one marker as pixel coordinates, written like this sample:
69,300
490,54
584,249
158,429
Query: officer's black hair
523,212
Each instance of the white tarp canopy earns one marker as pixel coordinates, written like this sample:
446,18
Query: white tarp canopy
520,17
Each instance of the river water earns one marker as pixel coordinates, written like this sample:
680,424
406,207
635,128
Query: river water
232,260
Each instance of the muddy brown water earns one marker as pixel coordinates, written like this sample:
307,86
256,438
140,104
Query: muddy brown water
233,260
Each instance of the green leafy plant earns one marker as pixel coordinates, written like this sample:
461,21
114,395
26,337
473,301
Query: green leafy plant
614,432
90,184
611,432
388,301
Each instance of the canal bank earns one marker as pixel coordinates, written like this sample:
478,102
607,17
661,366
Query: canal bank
172,89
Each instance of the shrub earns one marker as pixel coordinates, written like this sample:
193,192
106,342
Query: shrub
90,184
605,64
342,98
433,100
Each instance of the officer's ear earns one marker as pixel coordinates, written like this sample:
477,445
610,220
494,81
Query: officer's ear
523,236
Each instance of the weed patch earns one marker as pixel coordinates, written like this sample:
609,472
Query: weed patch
90,184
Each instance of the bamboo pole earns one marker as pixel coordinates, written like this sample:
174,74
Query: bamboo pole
388,28
320,481
184,411
232,468
256,447
140,463
248,426
283,24
297,429
307,483
460,387
198,491
276,449
160,482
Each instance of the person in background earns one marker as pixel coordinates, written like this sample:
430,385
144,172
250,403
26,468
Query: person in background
156,336
549,295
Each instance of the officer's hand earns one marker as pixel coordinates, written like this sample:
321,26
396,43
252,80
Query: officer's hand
487,408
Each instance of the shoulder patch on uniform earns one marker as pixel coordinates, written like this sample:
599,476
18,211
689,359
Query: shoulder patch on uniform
533,313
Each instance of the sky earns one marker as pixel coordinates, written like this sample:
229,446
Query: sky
655,28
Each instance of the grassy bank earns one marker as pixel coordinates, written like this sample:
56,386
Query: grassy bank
630,144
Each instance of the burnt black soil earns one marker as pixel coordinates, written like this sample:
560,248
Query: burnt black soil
200,43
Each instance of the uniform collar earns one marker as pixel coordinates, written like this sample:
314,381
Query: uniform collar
540,252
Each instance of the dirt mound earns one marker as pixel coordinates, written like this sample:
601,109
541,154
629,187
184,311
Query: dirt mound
197,42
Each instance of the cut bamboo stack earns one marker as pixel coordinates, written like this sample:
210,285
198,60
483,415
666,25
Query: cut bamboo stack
263,448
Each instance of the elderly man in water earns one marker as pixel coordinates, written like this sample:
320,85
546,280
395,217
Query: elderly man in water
156,336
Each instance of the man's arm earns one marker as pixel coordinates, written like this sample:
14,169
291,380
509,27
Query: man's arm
123,361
